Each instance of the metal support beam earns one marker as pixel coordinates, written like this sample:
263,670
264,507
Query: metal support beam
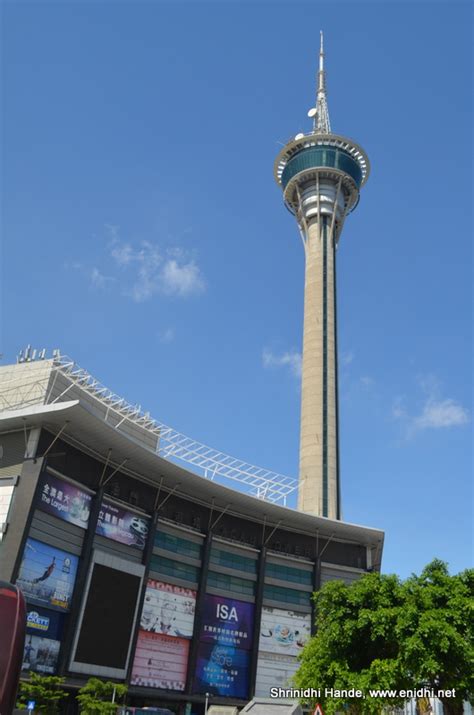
220,516
272,532
56,438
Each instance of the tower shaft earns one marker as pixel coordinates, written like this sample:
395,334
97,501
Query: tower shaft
321,175
319,464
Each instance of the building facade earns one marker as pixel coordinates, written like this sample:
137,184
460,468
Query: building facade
138,570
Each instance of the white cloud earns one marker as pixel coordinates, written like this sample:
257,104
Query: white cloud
98,279
146,269
166,336
366,381
290,359
182,280
347,358
436,412
441,413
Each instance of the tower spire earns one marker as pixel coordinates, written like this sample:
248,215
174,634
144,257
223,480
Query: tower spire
321,123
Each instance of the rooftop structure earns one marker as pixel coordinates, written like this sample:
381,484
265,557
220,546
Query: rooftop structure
38,381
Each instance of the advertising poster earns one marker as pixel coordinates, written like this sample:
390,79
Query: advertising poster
222,670
274,671
123,526
42,622
283,632
160,661
47,575
64,501
168,609
40,654
227,621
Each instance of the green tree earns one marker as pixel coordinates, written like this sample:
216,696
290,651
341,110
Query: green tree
45,690
382,634
95,698
436,632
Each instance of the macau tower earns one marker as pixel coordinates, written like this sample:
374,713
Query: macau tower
320,174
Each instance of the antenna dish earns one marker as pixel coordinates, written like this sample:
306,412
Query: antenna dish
312,112
299,136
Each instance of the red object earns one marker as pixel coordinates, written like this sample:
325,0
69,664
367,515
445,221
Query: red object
12,641
318,710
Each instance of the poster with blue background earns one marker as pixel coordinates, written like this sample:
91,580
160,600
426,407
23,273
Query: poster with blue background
227,621
47,575
224,650
222,670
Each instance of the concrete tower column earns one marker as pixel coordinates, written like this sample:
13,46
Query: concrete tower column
321,175
319,476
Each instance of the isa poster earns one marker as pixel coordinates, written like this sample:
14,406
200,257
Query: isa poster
222,670
47,575
65,501
121,525
160,661
227,621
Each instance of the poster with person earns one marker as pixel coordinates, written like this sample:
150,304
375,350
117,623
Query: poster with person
47,575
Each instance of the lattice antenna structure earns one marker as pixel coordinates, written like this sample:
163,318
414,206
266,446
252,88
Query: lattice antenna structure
321,123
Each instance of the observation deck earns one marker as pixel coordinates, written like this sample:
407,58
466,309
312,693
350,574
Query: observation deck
327,156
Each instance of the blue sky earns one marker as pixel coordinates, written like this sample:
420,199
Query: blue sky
144,236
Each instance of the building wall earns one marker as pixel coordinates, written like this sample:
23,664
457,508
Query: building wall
158,599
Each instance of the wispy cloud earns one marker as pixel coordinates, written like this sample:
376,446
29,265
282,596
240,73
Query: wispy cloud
145,268
98,279
347,357
166,336
443,413
182,279
435,412
366,381
290,359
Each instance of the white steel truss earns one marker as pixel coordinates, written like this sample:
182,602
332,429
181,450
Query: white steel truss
170,444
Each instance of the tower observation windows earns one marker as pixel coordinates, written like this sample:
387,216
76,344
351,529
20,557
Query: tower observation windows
316,157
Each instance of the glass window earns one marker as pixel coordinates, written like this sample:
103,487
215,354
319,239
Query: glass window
230,583
233,561
288,573
177,545
174,568
287,595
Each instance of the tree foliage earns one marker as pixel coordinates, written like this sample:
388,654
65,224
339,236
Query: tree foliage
95,698
379,633
45,690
